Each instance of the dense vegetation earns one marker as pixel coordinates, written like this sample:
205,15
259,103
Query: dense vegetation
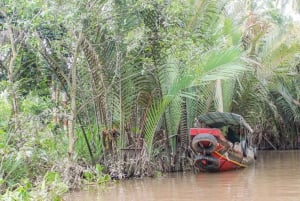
94,90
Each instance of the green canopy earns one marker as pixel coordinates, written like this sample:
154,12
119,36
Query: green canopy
220,119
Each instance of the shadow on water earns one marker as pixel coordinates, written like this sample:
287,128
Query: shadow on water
274,177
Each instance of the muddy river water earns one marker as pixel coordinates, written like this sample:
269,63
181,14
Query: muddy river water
274,177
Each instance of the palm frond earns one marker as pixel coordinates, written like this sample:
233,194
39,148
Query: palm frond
277,50
173,116
284,101
246,97
159,107
220,64
204,10
228,87
202,103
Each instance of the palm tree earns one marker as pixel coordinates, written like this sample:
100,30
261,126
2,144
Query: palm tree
271,53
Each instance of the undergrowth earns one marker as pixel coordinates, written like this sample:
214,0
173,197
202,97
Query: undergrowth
34,163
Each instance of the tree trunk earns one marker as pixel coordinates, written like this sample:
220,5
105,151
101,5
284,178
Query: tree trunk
10,69
183,136
72,120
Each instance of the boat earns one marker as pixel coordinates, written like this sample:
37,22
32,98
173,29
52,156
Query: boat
221,141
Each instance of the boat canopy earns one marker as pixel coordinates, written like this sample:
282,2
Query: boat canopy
220,119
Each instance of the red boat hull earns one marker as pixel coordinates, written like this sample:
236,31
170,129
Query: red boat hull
227,164
221,154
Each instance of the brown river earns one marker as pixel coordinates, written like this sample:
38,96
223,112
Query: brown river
274,177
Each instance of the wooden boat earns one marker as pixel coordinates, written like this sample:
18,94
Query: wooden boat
221,141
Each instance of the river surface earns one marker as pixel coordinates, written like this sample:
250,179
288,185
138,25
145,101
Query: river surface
274,177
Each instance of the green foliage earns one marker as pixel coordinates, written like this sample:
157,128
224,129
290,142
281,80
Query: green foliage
284,95
101,177
29,151
157,109
96,175
5,111
158,174
12,168
51,188
93,139
35,105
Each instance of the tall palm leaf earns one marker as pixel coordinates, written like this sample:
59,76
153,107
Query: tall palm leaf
158,108
285,98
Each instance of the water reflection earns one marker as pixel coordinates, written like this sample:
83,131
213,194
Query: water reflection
274,177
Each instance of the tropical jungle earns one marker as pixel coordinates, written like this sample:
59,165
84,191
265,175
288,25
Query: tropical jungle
100,90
